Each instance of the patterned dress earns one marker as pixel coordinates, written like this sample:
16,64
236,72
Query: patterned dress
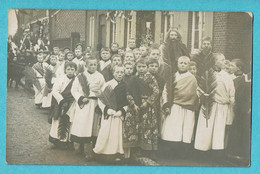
148,131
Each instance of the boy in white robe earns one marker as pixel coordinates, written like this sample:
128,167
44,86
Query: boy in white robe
79,60
210,133
178,125
39,81
85,123
110,137
46,102
105,54
61,103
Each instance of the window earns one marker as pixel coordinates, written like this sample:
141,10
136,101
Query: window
91,30
167,23
198,21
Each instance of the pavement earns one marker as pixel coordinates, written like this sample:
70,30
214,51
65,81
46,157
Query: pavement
27,141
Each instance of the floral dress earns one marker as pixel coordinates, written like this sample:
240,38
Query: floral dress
148,130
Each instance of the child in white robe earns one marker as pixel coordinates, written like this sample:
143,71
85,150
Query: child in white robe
210,133
46,101
85,124
110,137
61,103
39,81
105,55
178,125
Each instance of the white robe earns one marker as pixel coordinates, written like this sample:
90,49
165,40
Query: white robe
84,119
46,101
179,125
38,94
58,87
103,64
213,136
110,137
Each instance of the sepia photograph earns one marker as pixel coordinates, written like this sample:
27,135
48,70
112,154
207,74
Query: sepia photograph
129,87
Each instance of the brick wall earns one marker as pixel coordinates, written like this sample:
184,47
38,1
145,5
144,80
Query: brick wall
67,21
219,32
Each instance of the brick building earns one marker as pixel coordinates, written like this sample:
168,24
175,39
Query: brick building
231,32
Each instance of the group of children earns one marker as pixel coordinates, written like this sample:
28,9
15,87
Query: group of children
124,100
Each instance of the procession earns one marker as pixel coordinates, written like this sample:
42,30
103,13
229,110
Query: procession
137,99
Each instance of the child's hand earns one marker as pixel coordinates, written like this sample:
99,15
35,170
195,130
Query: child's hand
167,111
118,114
85,100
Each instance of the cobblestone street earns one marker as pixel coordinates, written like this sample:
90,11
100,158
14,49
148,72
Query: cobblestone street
27,140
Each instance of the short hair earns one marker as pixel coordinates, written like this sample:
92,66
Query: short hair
185,58
116,55
115,43
216,55
129,51
105,49
53,56
146,46
79,44
239,64
55,47
207,38
116,66
70,52
129,63
70,64
141,61
91,58
66,48
151,61
192,63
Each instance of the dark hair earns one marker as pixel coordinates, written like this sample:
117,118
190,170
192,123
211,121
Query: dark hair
192,63
114,67
116,55
168,35
105,49
239,64
70,64
207,38
70,52
141,60
115,43
151,61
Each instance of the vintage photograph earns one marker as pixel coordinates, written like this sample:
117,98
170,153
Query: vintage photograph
129,87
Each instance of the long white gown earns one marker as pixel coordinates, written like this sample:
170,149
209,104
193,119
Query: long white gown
213,136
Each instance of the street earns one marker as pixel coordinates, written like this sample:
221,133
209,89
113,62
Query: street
27,140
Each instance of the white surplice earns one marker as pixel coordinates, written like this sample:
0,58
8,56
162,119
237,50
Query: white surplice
213,136
110,137
84,119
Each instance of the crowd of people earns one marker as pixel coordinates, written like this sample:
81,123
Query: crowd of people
126,101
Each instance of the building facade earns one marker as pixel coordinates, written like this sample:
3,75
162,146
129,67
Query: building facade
231,32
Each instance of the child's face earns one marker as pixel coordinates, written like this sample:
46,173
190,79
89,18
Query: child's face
119,73
56,50
121,51
92,65
70,56
116,61
141,68
40,58
129,57
137,54
114,47
173,35
131,43
66,50
105,55
53,60
78,53
153,68
128,70
183,65
220,62
233,67
61,57
206,45
193,69
155,54
87,55
144,51
70,71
